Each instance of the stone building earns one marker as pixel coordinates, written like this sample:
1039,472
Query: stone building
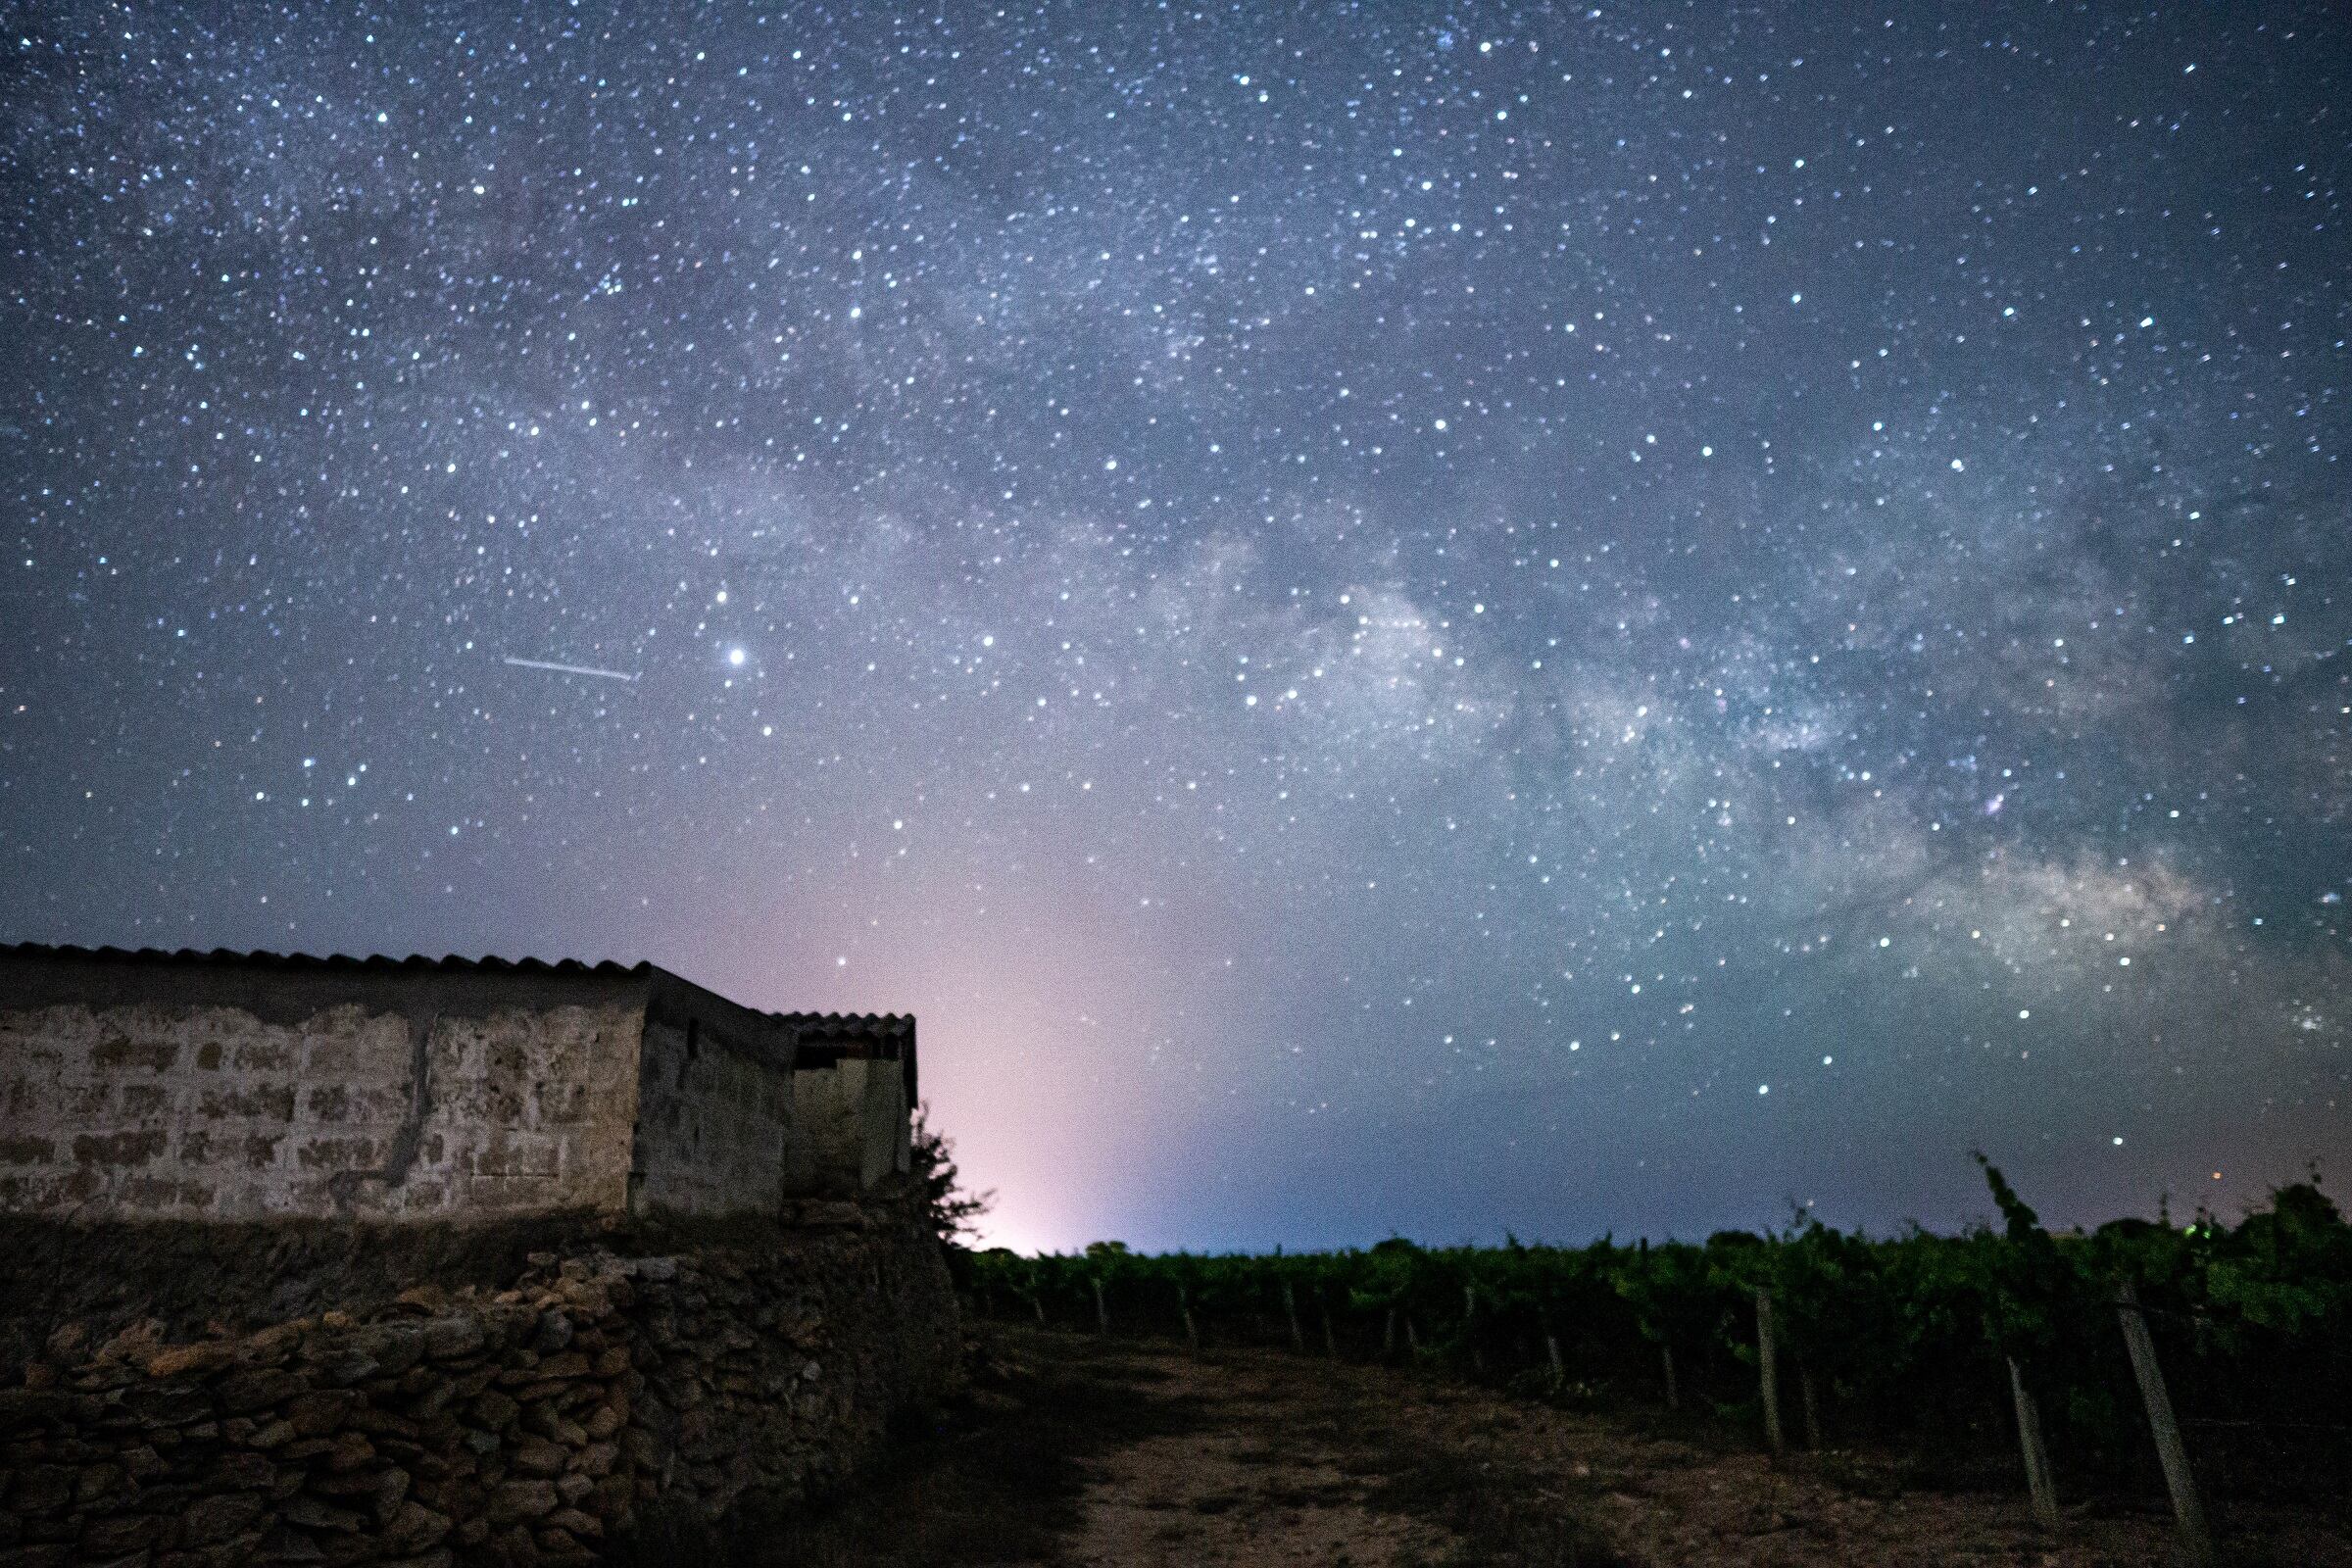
242,1087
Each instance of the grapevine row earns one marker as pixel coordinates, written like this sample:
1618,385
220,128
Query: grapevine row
1970,1356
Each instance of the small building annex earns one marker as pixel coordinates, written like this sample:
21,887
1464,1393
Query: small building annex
253,1086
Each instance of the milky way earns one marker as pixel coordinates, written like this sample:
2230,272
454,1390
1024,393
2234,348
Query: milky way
1383,617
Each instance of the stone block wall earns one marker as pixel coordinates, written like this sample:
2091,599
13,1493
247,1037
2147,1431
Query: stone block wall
716,1130
244,1087
532,1421
855,1113
426,1101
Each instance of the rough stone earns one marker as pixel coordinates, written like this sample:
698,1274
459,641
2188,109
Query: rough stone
191,1360
274,1435
218,1517
257,1389
521,1500
163,1406
514,1445
554,1332
447,1339
413,1528
575,1523
320,1411
95,1482
239,1471
396,1346
343,1367
55,1556
123,1533
537,1457
559,1546
41,1488
136,1342
315,1514
494,1411
281,1544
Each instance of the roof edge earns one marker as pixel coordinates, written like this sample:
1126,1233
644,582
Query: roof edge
808,1026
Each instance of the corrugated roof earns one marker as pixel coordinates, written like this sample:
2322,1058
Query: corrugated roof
849,1025
807,1025
230,958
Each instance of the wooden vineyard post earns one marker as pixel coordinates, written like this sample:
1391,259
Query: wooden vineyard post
2038,1457
1552,1351
1192,1328
1102,1309
2196,1543
1290,1307
1387,1337
1768,1369
1478,1357
1804,1385
1331,1341
1412,1340
1674,1392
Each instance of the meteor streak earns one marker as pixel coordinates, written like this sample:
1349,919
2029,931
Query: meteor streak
568,670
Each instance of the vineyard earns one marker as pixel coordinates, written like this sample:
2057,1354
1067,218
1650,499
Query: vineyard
2209,1362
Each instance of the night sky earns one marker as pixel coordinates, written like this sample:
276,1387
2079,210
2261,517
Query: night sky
1383,617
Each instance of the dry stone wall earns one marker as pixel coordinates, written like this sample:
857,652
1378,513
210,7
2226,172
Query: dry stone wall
535,1420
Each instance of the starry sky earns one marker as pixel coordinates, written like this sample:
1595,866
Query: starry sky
1386,618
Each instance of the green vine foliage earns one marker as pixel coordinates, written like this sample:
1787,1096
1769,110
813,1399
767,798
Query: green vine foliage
1904,1339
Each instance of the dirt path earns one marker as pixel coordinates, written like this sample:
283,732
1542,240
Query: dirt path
1265,1471
1268,1458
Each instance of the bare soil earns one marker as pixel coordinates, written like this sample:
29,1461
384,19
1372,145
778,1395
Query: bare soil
1087,1452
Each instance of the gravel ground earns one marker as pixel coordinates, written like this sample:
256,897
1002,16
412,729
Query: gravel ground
1290,1460
1084,1451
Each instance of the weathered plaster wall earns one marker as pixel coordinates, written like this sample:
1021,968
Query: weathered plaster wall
530,1111
528,1419
417,1098
230,1088
855,1113
886,1150
717,1132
